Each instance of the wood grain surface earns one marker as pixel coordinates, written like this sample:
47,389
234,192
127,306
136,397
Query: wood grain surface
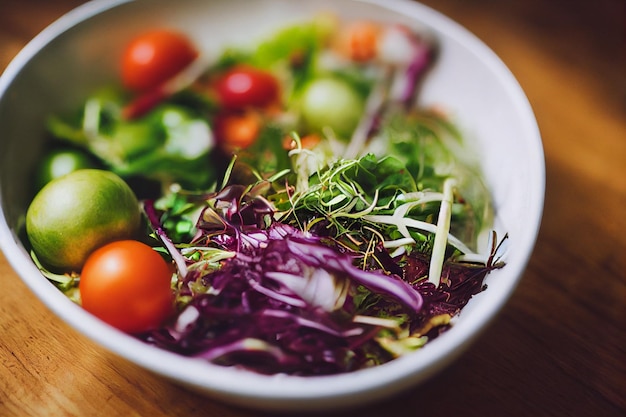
559,346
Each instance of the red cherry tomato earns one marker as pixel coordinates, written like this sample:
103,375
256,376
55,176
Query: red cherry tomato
127,284
245,86
154,57
237,130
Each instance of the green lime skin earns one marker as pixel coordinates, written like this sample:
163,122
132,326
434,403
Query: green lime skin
75,214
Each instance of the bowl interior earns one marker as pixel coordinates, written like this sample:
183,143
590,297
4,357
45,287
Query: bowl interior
80,52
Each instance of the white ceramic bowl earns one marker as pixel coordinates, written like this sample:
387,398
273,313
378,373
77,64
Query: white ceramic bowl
77,53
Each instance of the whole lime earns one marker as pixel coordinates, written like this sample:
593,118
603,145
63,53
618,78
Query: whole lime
77,213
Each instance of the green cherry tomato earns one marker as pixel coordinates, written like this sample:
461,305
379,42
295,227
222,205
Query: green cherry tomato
331,103
60,162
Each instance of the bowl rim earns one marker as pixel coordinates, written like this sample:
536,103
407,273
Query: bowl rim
260,390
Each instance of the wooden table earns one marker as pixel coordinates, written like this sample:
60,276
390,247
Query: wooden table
559,346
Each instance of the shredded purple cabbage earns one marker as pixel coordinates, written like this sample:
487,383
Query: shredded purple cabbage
287,302
414,73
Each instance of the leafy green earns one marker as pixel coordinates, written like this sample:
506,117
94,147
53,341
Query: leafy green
296,46
170,144
433,150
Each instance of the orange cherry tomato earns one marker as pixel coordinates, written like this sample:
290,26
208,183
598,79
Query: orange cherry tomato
154,57
245,86
127,284
237,130
359,40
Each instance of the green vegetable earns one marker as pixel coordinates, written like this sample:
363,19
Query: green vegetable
331,103
171,144
433,151
441,234
294,49
59,162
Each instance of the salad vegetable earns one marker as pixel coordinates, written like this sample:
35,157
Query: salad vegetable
331,103
244,86
304,214
154,57
59,162
127,284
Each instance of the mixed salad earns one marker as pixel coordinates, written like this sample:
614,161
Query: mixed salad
292,208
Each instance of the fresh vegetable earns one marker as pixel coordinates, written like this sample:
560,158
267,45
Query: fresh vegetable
315,217
154,57
237,130
242,86
170,144
75,214
127,284
267,296
333,104
359,40
59,162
